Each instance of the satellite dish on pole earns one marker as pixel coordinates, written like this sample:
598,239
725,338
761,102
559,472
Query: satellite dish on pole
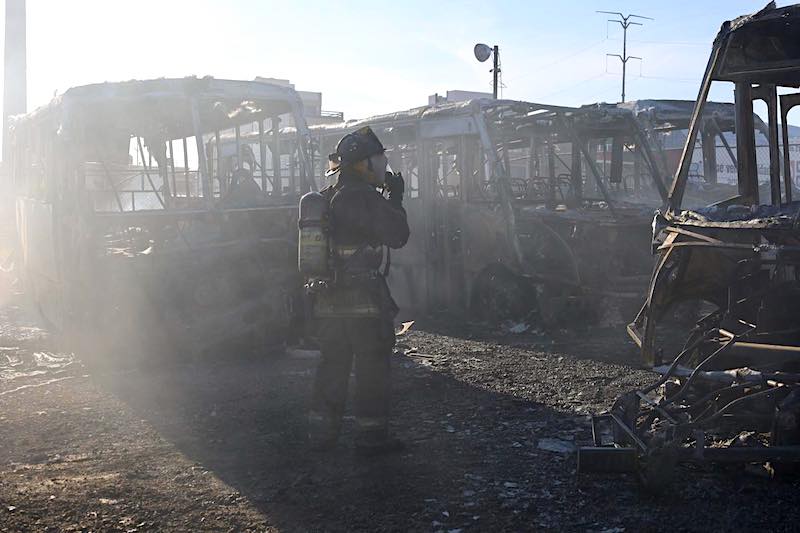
482,52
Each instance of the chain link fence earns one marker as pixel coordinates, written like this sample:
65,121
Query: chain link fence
726,165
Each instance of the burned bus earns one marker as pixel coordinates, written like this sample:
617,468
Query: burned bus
729,392
666,123
129,229
517,210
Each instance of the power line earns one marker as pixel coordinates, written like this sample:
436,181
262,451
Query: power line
571,87
668,78
535,70
570,55
672,43
625,22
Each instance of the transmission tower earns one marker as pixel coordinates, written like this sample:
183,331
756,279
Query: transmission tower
625,21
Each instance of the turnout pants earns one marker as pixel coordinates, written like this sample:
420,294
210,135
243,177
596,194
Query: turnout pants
369,342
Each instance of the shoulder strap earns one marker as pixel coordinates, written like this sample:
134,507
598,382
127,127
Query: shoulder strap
388,264
328,193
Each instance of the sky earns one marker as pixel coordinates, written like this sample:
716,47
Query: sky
377,57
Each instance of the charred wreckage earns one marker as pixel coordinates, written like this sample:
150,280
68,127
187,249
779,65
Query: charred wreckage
131,230
149,199
732,392
169,206
531,211
514,206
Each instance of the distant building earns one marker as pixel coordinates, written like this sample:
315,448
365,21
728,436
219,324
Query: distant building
456,96
312,104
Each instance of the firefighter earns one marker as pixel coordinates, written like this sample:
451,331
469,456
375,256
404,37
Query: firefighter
354,311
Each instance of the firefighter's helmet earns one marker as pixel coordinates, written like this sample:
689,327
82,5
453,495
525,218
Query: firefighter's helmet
354,147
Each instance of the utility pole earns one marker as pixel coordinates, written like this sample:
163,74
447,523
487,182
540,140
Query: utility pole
625,22
495,70
15,70
482,53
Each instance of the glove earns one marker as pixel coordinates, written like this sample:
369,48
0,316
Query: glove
396,186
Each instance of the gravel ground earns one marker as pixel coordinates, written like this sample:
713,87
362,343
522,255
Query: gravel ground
219,445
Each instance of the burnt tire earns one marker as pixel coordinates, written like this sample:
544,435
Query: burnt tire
498,294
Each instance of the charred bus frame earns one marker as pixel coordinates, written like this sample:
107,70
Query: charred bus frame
114,237
732,393
717,125
505,212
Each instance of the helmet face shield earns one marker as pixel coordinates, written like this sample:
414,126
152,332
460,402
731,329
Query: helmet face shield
354,147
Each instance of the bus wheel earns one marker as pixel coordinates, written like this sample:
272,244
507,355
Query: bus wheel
499,294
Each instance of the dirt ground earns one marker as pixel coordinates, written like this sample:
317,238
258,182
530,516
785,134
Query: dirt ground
219,445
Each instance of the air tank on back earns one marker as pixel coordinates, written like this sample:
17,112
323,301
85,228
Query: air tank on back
312,249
